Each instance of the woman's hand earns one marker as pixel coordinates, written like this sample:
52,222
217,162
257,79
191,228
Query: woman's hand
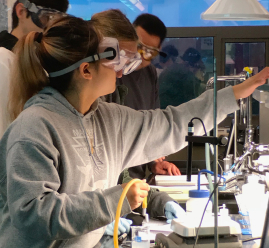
136,193
246,88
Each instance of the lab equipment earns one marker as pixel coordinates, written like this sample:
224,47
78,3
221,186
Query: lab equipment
140,236
199,201
144,209
187,227
174,240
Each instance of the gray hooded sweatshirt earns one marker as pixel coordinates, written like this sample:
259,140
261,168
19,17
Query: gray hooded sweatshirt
58,167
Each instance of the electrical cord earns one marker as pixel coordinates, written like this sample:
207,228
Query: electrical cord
216,186
197,118
247,240
197,234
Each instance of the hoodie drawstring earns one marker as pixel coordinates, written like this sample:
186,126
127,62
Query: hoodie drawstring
88,144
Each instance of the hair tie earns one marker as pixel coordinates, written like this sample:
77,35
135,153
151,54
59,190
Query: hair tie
38,37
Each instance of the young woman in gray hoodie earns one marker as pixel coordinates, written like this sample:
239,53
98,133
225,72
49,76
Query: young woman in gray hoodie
61,156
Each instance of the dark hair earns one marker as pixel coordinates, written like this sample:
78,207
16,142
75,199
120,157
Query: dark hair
65,42
171,53
191,56
60,5
113,23
152,25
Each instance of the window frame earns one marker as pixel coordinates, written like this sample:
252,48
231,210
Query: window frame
222,35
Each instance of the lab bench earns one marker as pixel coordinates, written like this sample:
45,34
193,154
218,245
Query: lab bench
107,241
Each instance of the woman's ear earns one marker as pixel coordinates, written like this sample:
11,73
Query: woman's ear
85,71
21,12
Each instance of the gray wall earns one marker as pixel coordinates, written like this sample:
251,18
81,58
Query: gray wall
3,15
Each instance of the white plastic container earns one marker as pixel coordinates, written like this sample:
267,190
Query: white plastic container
253,188
255,200
197,202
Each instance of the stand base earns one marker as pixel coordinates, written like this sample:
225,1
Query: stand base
188,227
174,240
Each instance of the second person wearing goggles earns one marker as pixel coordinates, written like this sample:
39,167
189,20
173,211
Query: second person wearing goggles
138,90
114,23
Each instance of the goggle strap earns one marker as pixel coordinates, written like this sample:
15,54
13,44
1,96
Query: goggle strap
30,6
89,59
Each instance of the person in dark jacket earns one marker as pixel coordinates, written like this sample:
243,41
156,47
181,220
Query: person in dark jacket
140,90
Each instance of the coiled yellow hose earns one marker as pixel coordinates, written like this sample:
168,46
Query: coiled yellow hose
119,207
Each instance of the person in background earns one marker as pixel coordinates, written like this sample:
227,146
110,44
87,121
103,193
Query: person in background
60,157
182,82
164,62
113,23
24,20
140,90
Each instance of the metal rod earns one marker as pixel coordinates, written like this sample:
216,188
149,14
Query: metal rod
230,141
216,235
235,134
249,112
241,77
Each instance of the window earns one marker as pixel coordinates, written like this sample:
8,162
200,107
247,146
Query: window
183,73
174,13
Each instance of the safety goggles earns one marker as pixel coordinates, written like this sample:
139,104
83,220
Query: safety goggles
128,62
124,60
39,15
147,52
108,52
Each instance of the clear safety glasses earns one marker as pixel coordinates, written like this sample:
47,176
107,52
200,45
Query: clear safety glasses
128,62
39,15
147,52
108,54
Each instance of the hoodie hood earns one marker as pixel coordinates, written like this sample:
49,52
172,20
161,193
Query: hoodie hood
7,40
51,99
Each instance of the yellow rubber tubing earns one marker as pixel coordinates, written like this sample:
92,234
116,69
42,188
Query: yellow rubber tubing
119,207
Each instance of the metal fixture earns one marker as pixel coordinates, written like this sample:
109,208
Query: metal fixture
236,10
239,79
